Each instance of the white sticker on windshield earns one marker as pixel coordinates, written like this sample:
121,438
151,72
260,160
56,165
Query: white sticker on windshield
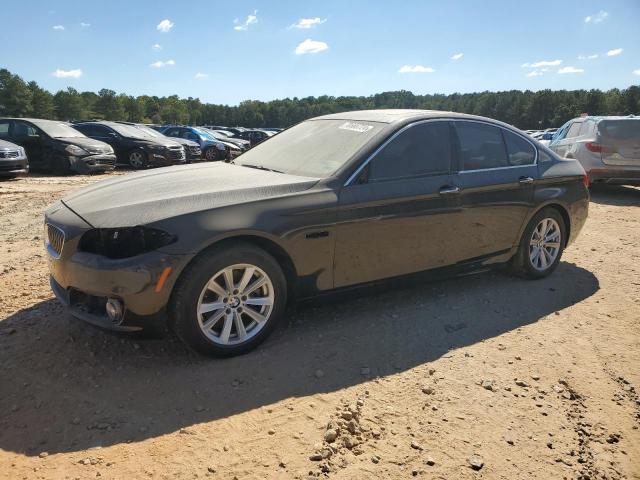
355,127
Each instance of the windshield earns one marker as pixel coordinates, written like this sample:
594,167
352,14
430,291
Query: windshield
150,131
130,131
315,148
58,129
204,134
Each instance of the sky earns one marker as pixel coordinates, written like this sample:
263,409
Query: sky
230,51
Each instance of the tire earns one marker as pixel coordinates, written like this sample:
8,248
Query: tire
211,154
206,319
138,159
526,263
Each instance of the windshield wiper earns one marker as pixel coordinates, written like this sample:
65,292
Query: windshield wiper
257,167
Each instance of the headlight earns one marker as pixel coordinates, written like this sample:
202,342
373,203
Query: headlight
221,146
75,150
124,242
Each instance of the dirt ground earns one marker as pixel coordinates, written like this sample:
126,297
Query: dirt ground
485,376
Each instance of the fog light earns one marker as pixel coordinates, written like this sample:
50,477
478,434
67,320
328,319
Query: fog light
114,310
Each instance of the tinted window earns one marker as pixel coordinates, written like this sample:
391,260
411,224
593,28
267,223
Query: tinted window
626,129
85,129
574,129
23,130
424,149
481,146
100,131
520,151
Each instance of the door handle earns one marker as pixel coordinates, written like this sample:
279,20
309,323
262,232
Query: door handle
525,180
448,190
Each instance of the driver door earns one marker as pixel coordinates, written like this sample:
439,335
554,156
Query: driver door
33,141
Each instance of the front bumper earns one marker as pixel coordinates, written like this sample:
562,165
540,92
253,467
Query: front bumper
615,176
93,163
14,167
84,281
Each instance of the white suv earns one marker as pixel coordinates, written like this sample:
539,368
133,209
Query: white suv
607,147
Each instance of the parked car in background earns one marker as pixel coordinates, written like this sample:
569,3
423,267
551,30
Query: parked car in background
255,136
55,146
133,146
230,140
192,149
607,147
212,149
333,202
13,159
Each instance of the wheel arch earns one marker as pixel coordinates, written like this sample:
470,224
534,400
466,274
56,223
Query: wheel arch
564,213
283,258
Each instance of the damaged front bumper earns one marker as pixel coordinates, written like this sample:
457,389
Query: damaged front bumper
85,282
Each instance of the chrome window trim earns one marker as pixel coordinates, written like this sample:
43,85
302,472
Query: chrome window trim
355,174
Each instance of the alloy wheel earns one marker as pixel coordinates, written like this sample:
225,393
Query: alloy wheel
544,245
136,159
210,155
235,304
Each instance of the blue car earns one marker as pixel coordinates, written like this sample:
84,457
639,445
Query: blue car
212,149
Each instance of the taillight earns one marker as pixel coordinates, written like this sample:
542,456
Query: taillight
593,147
585,180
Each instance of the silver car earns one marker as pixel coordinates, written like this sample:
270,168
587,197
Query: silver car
607,147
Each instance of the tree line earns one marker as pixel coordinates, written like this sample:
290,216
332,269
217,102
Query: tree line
524,109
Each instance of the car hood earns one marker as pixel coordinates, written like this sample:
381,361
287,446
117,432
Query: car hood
185,142
146,197
156,142
83,142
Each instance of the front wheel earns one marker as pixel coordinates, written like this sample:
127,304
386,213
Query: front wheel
137,159
211,154
541,245
228,301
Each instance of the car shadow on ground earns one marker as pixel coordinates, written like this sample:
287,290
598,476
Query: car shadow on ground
66,386
618,195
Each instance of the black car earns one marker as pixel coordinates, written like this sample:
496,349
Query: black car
336,201
133,146
255,136
192,149
56,147
13,159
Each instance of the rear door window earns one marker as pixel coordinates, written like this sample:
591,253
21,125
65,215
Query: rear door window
620,129
420,150
520,151
480,146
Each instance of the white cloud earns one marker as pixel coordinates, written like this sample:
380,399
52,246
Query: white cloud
161,64
67,73
597,18
588,57
457,56
251,19
157,47
542,63
536,73
311,46
165,25
615,52
636,71
85,25
306,23
58,27
564,70
201,75
415,69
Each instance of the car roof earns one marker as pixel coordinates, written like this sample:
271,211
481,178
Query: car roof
597,118
400,116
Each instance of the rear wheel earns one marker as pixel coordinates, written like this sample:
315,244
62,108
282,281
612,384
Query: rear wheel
541,245
228,301
137,159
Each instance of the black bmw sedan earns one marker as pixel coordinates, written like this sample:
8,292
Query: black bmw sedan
336,201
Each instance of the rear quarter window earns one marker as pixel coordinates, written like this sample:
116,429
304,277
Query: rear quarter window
520,151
